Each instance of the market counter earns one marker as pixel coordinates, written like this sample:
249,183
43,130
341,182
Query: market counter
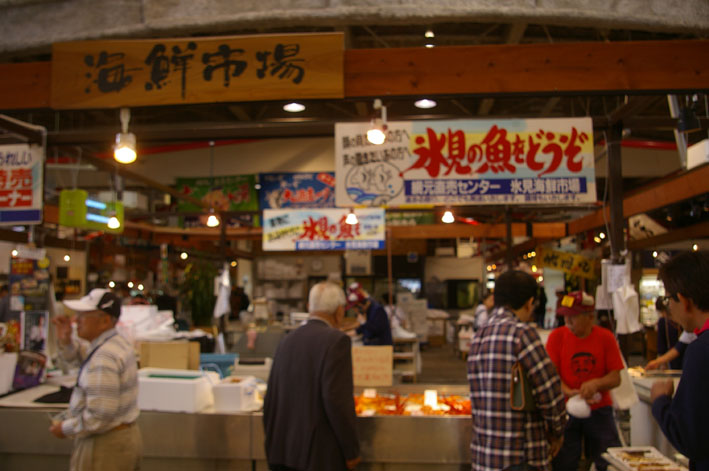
209,441
643,427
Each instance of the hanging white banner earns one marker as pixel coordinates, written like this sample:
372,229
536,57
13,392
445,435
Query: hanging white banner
322,229
524,161
21,183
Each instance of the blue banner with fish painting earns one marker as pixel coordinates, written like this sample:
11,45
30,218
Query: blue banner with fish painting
523,161
297,190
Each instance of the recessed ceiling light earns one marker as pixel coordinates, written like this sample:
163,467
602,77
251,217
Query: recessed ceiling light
425,103
429,45
294,107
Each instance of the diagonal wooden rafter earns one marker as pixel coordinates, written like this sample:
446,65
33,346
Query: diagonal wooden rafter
112,167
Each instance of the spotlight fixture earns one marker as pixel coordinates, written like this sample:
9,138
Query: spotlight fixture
654,254
130,284
448,217
111,284
377,131
234,263
597,240
141,287
429,33
695,247
429,45
125,148
351,218
14,252
67,257
184,255
602,235
425,104
294,107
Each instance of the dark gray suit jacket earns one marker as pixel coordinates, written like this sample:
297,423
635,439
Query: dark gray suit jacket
308,411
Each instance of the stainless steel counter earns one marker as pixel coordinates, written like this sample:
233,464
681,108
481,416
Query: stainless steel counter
209,441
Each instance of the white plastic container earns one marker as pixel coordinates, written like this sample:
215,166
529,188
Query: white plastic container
235,394
170,390
260,371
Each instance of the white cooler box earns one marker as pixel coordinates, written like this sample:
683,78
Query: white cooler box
169,390
236,394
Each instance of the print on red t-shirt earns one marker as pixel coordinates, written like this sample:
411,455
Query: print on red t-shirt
578,360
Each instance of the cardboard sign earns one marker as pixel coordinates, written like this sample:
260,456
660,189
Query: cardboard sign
372,366
567,262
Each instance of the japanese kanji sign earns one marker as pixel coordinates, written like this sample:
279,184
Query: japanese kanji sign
567,262
297,190
21,177
107,74
322,229
372,365
463,162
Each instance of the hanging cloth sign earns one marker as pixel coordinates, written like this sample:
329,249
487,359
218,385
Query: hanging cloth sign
322,229
521,161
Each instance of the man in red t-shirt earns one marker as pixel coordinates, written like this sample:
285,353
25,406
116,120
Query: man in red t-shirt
589,363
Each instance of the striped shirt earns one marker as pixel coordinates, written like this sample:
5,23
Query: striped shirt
503,437
106,393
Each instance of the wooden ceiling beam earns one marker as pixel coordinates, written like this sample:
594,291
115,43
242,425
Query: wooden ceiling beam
697,231
656,195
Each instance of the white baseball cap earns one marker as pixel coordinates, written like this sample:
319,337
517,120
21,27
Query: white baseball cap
97,299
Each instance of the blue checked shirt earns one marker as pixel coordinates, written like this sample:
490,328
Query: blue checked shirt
503,437
106,393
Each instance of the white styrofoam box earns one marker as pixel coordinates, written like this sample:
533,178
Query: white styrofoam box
259,371
698,154
235,394
170,390
8,362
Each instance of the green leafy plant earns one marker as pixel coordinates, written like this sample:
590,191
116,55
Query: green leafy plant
198,291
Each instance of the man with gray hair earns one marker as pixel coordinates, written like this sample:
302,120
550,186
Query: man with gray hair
308,411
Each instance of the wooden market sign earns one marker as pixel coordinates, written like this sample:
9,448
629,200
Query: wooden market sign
570,263
109,74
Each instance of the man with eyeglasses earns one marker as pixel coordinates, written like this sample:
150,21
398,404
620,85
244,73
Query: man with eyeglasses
104,402
684,417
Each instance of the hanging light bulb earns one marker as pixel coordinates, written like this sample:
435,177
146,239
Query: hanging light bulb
448,217
234,263
184,255
212,220
377,131
425,103
351,218
294,107
130,284
141,287
67,257
14,252
113,222
125,149
111,284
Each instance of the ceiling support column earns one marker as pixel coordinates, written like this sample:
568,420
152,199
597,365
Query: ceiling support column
615,190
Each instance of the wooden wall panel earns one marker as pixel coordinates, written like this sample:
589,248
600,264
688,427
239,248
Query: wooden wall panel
25,86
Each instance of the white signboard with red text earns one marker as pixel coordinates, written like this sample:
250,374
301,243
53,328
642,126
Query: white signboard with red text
322,229
525,161
21,182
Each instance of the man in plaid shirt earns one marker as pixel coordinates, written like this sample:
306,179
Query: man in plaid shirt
504,439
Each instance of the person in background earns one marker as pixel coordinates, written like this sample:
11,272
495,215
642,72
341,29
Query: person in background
374,322
308,412
670,343
482,312
103,408
588,359
502,438
683,415
540,307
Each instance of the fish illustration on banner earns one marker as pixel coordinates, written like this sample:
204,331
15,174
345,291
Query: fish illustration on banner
297,190
532,161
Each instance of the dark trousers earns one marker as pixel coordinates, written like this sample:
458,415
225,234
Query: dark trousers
599,432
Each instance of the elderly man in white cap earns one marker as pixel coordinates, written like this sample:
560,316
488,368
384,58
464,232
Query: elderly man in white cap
104,403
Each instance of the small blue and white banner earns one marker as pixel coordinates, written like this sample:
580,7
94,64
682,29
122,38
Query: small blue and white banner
322,229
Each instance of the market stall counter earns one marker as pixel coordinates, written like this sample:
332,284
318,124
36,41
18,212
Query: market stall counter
234,441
